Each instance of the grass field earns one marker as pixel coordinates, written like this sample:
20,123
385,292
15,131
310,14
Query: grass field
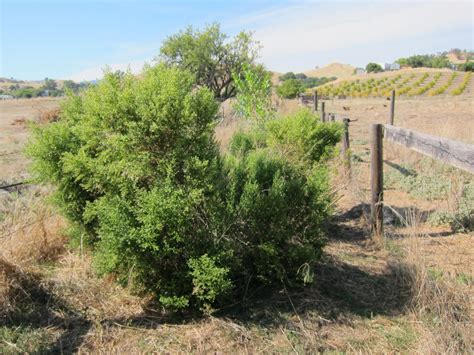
410,292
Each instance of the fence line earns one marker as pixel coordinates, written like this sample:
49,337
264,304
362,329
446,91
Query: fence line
5,187
460,155
457,154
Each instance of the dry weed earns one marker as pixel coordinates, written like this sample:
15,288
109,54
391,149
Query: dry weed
30,231
48,116
441,306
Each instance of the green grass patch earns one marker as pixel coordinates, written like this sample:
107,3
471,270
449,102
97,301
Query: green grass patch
401,336
25,339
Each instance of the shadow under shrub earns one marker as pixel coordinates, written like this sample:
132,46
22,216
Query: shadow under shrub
136,167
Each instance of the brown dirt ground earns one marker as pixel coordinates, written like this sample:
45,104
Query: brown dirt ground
14,117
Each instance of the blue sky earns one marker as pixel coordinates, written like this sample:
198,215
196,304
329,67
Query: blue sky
76,39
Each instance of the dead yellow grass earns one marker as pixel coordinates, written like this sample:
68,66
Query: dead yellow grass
440,302
30,231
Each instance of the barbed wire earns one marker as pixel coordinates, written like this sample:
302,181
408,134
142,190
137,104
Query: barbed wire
4,187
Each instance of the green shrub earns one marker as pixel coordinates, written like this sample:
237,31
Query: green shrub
469,66
287,76
461,219
279,193
290,88
134,163
254,89
136,167
279,212
26,93
302,137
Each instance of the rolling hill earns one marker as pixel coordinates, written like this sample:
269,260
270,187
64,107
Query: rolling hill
334,69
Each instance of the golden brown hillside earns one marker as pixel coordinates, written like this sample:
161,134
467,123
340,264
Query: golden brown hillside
334,69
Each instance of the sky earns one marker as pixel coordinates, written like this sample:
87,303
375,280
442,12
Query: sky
76,40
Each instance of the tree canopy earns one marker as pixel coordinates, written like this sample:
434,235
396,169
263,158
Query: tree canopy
425,61
290,88
212,56
373,68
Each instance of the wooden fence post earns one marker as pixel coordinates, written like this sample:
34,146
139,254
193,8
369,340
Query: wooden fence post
323,112
376,179
346,145
392,108
315,100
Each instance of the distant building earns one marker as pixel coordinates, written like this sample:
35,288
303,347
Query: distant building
390,66
394,66
6,97
360,71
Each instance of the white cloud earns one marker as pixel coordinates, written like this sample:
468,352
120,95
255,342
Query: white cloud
97,72
294,34
299,35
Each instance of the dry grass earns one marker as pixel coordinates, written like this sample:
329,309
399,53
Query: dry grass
413,294
30,234
366,299
440,303
334,69
30,231
48,116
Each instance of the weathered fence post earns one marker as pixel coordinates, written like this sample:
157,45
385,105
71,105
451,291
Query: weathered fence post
392,108
376,178
323,112
346,145
315,100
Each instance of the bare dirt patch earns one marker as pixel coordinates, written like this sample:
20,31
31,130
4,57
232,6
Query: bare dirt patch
14,117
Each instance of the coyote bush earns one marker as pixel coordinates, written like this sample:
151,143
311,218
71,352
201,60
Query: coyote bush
135,166
279,193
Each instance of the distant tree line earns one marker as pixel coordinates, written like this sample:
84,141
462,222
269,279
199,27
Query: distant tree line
49,88
425,61
469,66
439,60
294,84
